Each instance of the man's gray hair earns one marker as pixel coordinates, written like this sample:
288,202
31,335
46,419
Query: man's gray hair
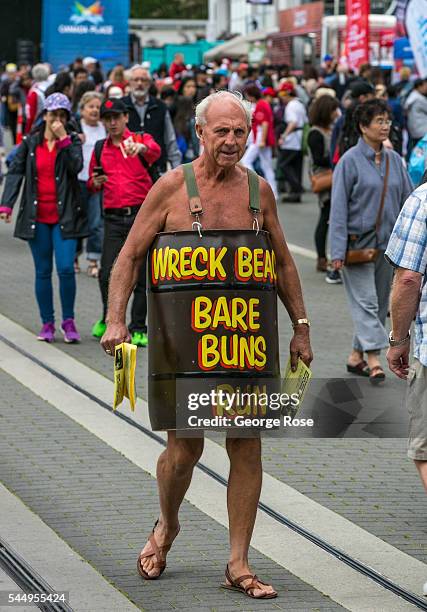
40,72
138,67
202,107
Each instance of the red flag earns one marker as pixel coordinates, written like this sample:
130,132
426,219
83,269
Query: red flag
357,35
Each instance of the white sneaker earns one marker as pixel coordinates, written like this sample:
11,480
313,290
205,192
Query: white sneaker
425,589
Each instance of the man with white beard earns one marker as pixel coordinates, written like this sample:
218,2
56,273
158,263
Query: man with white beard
151,115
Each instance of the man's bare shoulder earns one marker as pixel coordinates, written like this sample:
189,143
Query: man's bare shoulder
170,182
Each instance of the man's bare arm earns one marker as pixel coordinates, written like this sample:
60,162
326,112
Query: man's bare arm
405,298
404,305
288,282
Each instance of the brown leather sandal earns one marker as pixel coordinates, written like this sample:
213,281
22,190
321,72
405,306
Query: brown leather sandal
376,375
155,552
234,584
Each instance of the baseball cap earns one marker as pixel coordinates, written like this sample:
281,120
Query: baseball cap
361,88
11,67
113,106
57,101
328,58
242,66
287,87
269,91
89,60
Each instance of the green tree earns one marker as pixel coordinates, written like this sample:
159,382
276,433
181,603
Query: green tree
172,9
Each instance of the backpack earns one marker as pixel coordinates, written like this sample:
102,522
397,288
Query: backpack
152,170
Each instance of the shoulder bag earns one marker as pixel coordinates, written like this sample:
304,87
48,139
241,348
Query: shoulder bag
364,248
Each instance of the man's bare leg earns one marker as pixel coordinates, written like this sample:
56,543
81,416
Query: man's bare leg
244,489
422,469
174,472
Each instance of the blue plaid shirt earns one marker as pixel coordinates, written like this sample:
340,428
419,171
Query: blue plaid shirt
407,249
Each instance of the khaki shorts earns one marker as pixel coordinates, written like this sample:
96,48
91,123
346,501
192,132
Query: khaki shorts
416,401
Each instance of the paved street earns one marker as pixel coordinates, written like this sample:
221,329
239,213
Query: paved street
89,476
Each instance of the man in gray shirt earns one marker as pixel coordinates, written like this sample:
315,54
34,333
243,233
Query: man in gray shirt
149,114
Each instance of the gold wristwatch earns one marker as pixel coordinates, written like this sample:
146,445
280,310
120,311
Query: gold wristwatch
301,322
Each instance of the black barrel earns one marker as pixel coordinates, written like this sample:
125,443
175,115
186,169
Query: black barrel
212,316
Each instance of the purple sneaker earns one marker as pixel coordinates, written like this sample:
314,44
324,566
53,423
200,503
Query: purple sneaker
47,333
70,332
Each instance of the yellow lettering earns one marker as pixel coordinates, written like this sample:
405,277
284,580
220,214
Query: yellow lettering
221,314
173,264
209,355
203,254
258,263
243,266
216,269
253,314
200,317
185,262
159,264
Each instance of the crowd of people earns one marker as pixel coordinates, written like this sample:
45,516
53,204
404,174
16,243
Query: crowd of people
90,146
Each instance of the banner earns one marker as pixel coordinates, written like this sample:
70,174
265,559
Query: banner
88,28
399,13
416,26
357,34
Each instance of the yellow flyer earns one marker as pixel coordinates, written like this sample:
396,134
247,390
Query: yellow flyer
124,374
296,383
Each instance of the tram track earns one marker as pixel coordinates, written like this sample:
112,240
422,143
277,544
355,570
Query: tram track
27,579
342,556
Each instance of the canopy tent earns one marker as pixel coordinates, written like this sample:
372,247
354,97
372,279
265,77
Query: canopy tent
238,46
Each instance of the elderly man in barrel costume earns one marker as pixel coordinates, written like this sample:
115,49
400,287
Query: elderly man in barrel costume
212,204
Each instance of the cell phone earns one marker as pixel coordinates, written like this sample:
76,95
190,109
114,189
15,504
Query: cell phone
99,171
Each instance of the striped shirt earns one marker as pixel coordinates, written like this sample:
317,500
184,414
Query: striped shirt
407,249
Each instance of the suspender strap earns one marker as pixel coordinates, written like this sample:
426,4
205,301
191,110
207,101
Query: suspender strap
193,192
254,204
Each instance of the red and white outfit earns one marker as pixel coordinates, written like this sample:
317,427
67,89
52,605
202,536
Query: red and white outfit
128,179
262,115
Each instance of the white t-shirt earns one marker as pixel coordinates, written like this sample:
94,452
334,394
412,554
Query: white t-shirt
294,113
92,134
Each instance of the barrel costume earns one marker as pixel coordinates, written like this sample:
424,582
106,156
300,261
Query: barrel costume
212,314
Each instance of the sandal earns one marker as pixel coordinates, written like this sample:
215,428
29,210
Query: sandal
93,269
377,375
234,584
155,552
360,369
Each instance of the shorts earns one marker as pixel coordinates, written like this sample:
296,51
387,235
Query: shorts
416,401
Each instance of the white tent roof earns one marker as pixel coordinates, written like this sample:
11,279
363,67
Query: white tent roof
239,45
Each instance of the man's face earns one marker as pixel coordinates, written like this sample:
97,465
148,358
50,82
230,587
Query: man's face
201,79
79,78
115,123
423,88
225,133
139,83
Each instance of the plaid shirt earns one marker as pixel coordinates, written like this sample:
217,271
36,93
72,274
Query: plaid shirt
407,249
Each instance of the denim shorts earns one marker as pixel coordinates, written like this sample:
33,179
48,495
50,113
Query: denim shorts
416,401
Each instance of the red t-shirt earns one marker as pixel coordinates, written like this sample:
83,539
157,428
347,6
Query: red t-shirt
47,209
262,114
